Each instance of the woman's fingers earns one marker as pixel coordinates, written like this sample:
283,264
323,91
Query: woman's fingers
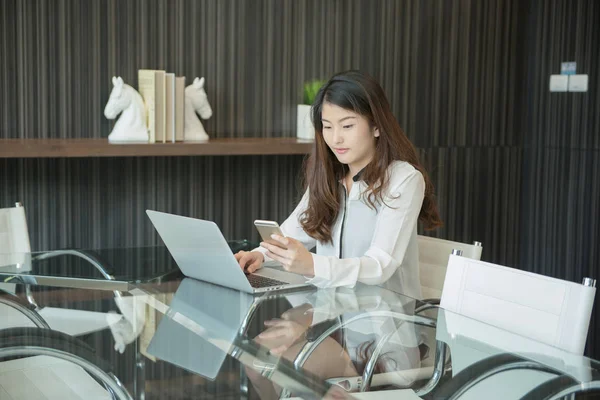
284,261
249,260
283,241
254,266
244,259
275,249
274,242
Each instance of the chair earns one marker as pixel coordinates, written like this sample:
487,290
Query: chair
58,363
560,310
15,254
499,306
433,260
43,338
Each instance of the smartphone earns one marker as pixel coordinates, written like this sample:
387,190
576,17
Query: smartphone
267,228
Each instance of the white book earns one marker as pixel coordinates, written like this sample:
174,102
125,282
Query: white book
169,108
151,85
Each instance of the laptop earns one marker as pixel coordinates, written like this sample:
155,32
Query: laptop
201,252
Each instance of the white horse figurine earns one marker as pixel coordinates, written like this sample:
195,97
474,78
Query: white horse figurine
131,126
196,100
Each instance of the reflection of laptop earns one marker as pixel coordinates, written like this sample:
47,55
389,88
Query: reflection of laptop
201,252
198,329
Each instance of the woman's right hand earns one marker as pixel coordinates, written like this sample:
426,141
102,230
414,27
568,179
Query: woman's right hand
250,261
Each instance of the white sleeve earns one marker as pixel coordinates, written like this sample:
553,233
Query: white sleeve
291,227
393,230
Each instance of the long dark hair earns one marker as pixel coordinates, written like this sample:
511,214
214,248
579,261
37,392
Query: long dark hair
360,93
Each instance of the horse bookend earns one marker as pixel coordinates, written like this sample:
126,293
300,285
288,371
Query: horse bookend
131,126
196,101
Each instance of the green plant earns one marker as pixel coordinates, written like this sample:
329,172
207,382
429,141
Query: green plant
311,88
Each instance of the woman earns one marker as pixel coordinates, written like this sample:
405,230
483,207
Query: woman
365,192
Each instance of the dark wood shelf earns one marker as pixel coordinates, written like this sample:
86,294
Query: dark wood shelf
62,148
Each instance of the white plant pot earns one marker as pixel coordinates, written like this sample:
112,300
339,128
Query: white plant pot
304,127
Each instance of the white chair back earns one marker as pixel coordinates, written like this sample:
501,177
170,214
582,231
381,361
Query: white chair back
433,260
14,242
549,310
14,236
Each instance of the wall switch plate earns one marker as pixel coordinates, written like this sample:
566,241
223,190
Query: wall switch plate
559,83
578,83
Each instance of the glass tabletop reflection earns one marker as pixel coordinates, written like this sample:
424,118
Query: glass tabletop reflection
169,336
363,339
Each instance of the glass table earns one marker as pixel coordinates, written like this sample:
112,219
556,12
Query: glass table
104,269
155,334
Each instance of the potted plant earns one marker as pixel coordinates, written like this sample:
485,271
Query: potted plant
304,127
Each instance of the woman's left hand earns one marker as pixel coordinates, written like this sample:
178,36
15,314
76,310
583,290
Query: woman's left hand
291,253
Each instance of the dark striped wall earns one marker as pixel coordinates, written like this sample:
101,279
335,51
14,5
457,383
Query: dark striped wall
443,65
467,80
560,225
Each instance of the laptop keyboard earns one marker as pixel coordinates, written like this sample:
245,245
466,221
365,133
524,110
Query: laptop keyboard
260,281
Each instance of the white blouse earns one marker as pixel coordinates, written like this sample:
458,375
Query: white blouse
375,247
